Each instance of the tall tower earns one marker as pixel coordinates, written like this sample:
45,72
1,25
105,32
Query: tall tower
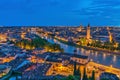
110,35
88,36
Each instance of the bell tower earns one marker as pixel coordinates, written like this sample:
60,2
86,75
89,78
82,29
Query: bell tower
88,36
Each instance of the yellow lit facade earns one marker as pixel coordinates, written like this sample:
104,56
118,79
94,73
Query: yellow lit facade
3,37
88,36
23,35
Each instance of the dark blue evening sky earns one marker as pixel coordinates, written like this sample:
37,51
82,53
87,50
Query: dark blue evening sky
59,12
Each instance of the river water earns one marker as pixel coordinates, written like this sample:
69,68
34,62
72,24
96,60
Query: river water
96,56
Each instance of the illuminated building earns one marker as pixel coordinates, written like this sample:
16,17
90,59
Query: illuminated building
110,35
88,36
80,28
23,35
3,38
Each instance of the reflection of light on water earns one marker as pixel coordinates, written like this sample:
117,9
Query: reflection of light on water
97,61
87,52
82,50
92,53
77,50
66,46
111,65
104,56
55,40
114,58
96,53
91,59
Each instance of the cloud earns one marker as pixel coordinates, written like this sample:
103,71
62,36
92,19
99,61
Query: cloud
61,11
101,7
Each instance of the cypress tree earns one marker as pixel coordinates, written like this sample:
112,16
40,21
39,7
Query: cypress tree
74,69
93,75
78,73
85,75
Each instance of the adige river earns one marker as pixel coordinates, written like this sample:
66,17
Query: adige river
96,56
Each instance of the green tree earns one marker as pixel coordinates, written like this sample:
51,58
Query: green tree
70,77
74,72
118,48
85,75
93,75
78,73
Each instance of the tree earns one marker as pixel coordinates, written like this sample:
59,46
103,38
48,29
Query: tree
83,42
78,73
98,44
74,73
104,79
70,77
38,43
93,75
118,48
85,75
55,78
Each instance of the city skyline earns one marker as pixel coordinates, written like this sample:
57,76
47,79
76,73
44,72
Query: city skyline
59,13
59,40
